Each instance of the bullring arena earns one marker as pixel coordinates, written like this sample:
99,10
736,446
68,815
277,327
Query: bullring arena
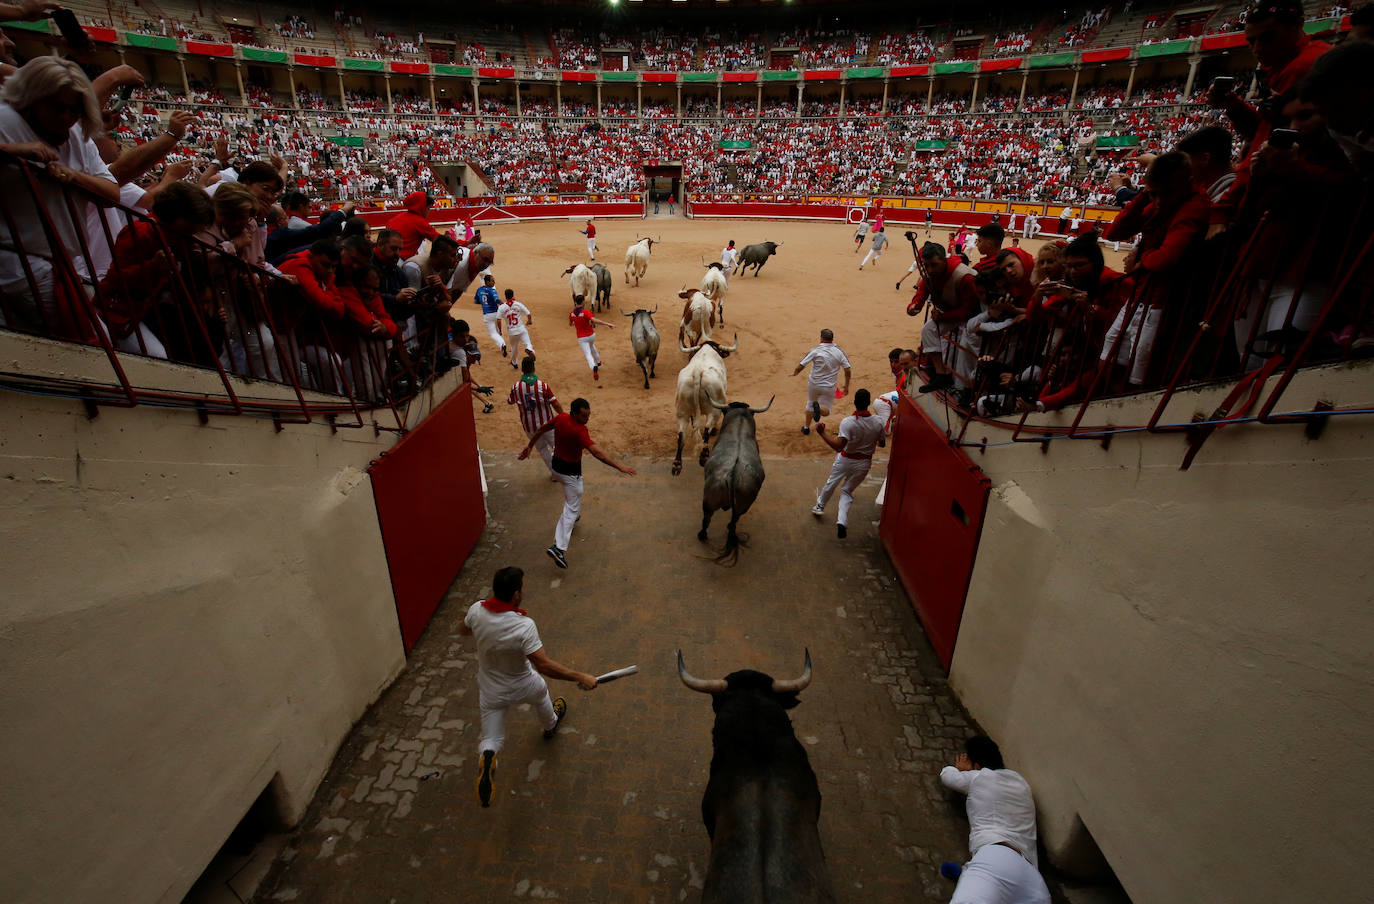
812,283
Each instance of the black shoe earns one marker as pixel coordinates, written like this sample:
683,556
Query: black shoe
840,531
898,286
557,555
503,351
560,709
806,431
815,411
484,782
939,381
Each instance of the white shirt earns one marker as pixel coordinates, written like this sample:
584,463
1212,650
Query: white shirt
826,362
1000,808
510,312
885,410
504,642
861,435
728,256
78,153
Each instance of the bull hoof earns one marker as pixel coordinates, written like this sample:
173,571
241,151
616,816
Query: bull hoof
677,468
701,535
646,384
701,459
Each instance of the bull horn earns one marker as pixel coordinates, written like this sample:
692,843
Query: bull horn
765,407
794,686
714,686
685,349
703,261
654,311
734,347
622,312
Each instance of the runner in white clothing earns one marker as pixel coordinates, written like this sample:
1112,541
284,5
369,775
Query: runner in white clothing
859,435
1001,817
510,661
538,405
826,362
729,258
517,333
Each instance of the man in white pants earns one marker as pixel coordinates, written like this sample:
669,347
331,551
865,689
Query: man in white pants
510,661
517,332
859,435
590,233
875,251
570,438
585,324
490,303
826,362
538,405
729,258
1001,838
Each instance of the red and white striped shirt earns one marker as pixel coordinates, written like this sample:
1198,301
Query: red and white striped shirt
535,403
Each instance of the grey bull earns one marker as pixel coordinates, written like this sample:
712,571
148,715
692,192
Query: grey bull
734,473
757,255
603,287
644,340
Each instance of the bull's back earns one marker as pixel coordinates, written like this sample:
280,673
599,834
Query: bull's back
734,473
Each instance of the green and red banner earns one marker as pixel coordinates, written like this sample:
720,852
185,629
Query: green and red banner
312,59
450,69
737,77
1224,42
909,71
668,77
1000,65
1046,60
259,55
821,75
410,68
103,35
579,76
496,71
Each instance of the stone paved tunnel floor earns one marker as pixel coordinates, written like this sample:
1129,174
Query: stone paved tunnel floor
609,811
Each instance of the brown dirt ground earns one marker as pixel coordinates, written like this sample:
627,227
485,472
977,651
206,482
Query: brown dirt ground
777,315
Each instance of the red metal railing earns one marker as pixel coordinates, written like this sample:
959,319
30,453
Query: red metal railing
76,268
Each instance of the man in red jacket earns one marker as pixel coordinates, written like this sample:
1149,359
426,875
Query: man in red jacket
1274,31
314,269
1170,215
413,223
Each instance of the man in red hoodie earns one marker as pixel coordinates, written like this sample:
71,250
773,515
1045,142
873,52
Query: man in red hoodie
1274,31
413,223
321,318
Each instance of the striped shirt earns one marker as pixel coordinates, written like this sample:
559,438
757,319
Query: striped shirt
535,402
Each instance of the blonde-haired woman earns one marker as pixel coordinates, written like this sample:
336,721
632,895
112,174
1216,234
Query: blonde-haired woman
48,115
250,348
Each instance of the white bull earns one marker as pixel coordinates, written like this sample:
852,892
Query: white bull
714,286
583,281
698,318
637,259
701,396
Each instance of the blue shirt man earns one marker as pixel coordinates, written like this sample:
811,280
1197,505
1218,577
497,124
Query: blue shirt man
491,302
488,298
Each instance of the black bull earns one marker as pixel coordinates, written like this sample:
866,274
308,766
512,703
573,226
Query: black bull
762,801
757,255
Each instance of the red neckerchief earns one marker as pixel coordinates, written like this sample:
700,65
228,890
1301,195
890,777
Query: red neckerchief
495,605
863,413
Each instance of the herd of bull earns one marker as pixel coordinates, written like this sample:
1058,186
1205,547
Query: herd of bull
734,469
762,800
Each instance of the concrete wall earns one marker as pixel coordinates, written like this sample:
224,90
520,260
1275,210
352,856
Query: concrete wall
189,612
1181,659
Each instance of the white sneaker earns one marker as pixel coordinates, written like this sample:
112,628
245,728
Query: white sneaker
818,510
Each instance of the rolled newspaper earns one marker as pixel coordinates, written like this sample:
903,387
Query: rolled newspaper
618,673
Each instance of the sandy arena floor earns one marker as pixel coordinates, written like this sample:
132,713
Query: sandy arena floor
813,282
